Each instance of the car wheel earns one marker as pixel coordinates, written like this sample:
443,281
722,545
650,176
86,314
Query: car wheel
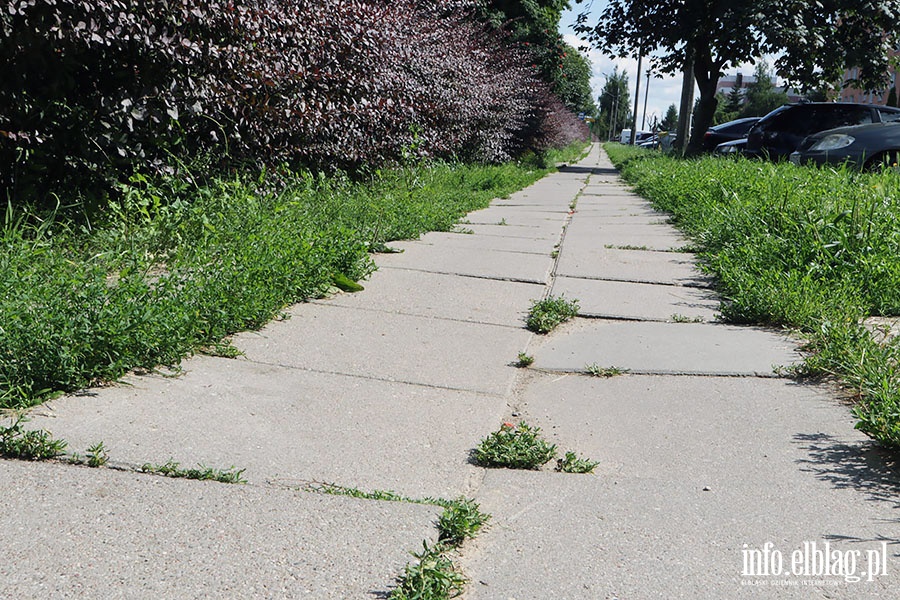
889,159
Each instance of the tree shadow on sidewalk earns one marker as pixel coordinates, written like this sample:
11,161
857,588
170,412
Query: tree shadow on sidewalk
588,170
862,466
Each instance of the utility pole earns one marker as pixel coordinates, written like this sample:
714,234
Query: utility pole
637,98
646,93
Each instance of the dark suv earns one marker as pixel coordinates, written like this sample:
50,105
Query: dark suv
780,132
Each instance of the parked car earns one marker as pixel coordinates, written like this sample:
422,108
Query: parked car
726,132
781,131
863,146
732,147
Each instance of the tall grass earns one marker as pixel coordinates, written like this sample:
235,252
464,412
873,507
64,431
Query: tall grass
174,266
813,249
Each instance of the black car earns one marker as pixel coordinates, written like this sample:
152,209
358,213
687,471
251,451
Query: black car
864,146
781,131
727,132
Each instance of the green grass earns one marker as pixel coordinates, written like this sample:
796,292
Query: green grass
572,464
20,443
524,360
431,576
177,265
515,447
816,250
595,370
546,314
201,473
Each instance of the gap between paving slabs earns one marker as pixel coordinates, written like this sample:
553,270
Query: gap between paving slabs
459,520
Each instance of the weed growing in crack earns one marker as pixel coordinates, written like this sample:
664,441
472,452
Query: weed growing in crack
461,520
432,576
173,469
572,464
546,314
595,370
96,455
678,318
514,447
17,442
524,360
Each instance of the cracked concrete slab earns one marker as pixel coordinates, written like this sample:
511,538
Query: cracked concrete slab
638,266
70,532
442,296
643,301
666,348
393,347
286,425
513,231
474,262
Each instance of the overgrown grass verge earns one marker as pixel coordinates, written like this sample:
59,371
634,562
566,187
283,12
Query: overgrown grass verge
432,575
813,249
178,265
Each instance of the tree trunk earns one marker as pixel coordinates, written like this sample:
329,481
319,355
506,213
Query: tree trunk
706,73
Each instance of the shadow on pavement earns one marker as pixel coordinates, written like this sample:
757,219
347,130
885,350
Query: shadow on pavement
588,170
862,466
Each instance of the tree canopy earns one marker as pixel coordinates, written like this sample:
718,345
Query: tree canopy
814,41
615,105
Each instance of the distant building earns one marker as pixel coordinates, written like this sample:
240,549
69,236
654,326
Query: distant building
741,82
729,82
853,94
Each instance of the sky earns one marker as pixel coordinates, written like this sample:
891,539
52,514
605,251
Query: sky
663,92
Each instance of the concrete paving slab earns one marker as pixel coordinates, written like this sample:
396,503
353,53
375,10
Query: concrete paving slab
638,266
285,424
608,219
666,348
443,296
693,472
517,215
454,241
587,232
70,532
623,300
474,262
405,348
517,231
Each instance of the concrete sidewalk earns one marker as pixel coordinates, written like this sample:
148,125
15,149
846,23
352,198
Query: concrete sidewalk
705,454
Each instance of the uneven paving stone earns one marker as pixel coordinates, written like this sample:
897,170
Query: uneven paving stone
638,266
70,532
474,262
666,348
334,339
284,424
691,470
443,296
622,300
513,231
454,241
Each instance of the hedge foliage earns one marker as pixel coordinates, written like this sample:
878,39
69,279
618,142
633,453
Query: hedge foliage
92,89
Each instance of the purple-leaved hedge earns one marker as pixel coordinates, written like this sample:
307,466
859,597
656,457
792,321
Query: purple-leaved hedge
91,90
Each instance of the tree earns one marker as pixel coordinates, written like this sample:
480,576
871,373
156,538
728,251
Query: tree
670,120
814,43
762,96
892,97
573,83
615,105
